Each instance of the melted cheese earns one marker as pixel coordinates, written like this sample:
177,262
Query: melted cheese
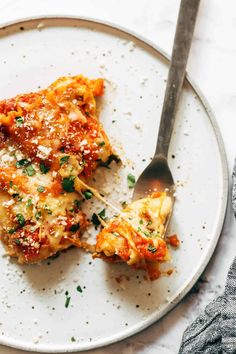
50,142
48,139
136,234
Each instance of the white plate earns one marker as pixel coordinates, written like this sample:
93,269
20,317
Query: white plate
32,306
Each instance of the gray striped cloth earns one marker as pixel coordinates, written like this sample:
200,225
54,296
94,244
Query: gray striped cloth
214,331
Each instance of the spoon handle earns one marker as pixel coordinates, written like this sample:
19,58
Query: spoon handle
182,43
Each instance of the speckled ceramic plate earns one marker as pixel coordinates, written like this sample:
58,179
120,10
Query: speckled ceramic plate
115,301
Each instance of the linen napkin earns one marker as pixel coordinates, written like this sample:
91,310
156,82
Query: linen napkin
214,331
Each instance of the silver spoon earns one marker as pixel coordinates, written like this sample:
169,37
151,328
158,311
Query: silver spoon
157,175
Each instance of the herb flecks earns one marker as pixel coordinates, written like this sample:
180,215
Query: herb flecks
38,215
17,196
68,184
22,163
102,214
17,241
75,227
64,160
67,301
88,194
29,202
95,220
152,248
20,219
41,189
19,121
77,203
68,298
43,168
47,209
79,289
96,217
29,170
11,231
102,143
131,180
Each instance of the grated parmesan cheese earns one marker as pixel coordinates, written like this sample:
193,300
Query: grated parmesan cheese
43,152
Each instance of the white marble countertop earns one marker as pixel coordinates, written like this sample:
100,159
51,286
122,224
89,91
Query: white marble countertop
212,66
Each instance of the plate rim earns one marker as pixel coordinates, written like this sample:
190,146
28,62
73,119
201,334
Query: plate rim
223,203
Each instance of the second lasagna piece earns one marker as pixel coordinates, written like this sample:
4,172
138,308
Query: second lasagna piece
136,235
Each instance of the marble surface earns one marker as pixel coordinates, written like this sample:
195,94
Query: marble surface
212,66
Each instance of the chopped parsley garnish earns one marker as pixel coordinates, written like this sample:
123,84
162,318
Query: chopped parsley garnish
115,233
95,217
17,196
22,163
17,241
77,203
41,189
67,301
38,215
47,209
111,158
95,220
88,194
79,289
43,168
21,220
149,222
102,143
151,248
87,113
11,184
68,184
29,203
102,214
64,160
144,232
29,170
131,180
73,339
141,221
19,121
75,227
11,231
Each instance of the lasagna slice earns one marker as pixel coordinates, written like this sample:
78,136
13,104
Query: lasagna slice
47,140
58,120
136,235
